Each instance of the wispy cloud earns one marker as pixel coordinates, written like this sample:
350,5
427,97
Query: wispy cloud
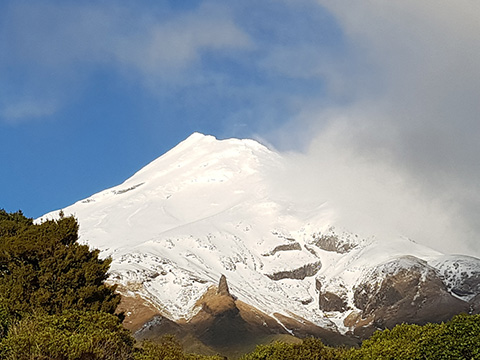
13,113
177,43
51,42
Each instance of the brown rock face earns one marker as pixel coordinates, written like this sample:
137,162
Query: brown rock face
136,310
230,327
223,286
331,242
332,302
284,247
475,305
298,274
405,290
462,274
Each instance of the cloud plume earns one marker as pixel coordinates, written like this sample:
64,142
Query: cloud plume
402,154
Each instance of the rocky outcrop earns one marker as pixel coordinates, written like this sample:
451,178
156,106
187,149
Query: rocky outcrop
136,310
285,247
333,242
123,191
407,290
461,274
328,301
223,289
299,273
217,301
475,304
227,326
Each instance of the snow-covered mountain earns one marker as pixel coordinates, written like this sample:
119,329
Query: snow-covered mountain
209,208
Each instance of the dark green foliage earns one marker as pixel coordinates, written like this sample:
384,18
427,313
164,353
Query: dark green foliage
168,349
309,349
11,223
6,319
456,339
44,269
398,343
70,336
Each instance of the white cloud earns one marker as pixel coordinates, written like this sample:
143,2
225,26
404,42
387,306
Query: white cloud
71,34
50,42
14,113
165,50
405,149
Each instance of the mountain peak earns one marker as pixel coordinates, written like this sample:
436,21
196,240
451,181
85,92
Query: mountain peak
210,207
196,137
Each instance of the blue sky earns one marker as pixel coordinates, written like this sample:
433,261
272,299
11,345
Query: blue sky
92,91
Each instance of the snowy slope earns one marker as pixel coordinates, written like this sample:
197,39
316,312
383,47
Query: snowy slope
207,208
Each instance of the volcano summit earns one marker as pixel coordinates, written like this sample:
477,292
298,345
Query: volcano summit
211,209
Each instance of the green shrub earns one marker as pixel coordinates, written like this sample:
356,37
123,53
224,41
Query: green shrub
309,349
44,269
74,335
456,339
399,343
168,349
5,318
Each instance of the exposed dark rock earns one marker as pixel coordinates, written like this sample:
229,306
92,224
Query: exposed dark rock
285,247
230,327
363,327
311,250
299,273
332,302
405,290
462,292
474,305
158,325
306,301
123,191
461,274
331,242
223,286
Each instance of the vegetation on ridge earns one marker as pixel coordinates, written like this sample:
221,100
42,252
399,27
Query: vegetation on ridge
456,339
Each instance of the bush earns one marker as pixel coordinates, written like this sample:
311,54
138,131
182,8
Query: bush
309,349
168,349
73,335
6,319
457,339
44,269
399,343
